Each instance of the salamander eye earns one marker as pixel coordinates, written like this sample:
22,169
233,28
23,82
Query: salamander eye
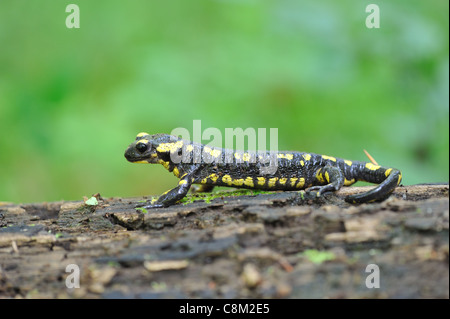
142,147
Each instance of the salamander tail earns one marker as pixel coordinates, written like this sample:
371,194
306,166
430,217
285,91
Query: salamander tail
381,192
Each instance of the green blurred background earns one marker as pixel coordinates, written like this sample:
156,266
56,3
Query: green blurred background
71,100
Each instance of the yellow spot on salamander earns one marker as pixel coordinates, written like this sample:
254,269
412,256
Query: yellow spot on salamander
204,181
286,156
246,157
141,162
237,156
182,182
302,163
238,182
307,156
293,180
282,181
301,183
261,180
207,149
399,179
249,182
176,172
388,171
349,163
272,181
178,145
349,182
327,177
142,134
163,163
331,158
215,153
189,148
372,167
143,141
165,147
169,147
319,176
213,177
227,179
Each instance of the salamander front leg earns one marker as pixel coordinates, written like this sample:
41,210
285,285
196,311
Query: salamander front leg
203,188
172,196
331,176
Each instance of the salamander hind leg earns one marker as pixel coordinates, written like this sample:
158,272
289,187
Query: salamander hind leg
330,177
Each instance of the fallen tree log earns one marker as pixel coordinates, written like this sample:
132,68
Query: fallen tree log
256,245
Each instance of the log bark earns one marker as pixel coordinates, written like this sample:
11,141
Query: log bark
278,245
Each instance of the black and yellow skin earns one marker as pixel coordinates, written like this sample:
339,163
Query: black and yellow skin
294,171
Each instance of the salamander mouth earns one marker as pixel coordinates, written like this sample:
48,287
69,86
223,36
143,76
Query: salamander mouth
132,156
144,160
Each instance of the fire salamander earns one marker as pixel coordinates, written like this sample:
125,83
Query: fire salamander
222,167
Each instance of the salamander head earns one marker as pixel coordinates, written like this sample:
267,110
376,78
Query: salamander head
151,148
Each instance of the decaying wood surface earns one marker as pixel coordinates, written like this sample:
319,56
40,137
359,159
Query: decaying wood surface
277,245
